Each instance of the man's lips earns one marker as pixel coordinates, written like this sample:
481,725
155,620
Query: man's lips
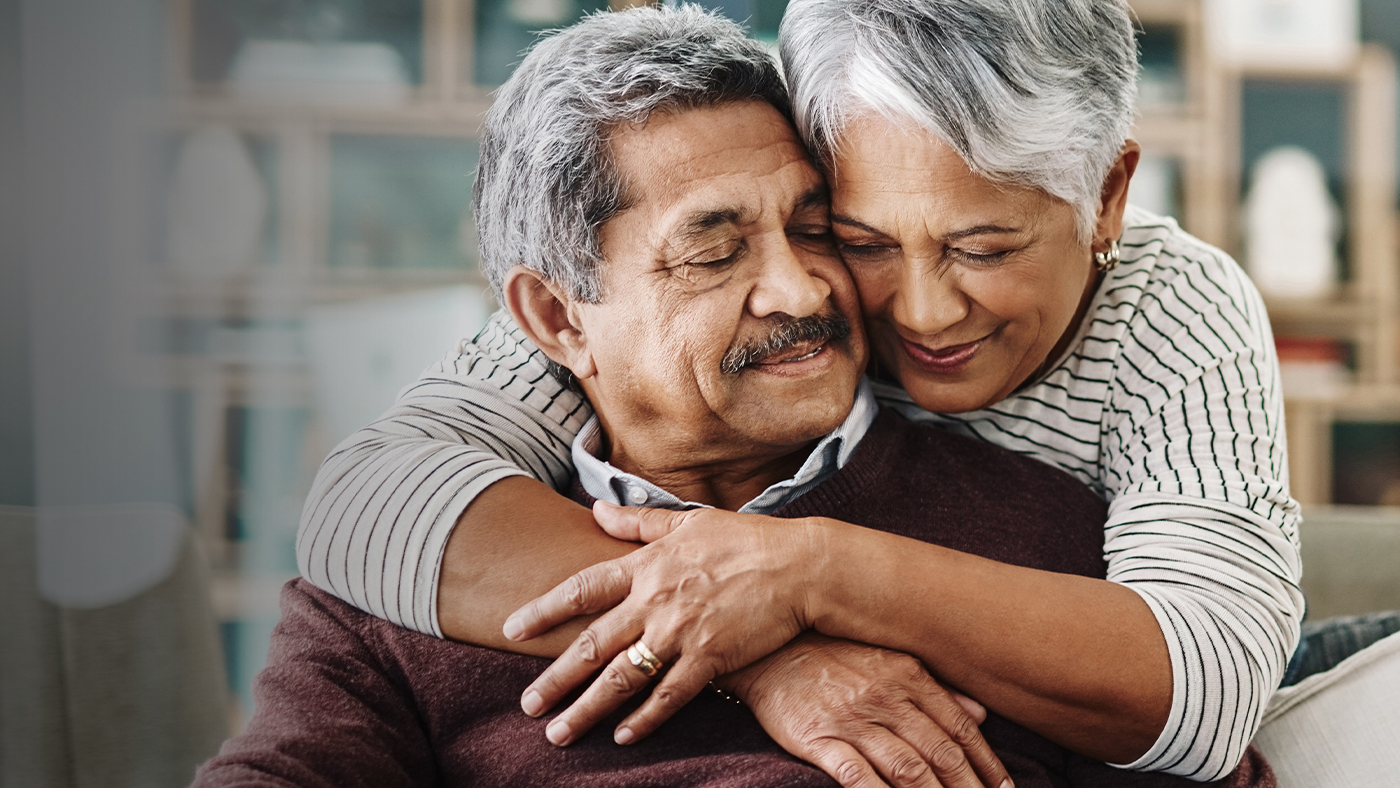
949,358
794,354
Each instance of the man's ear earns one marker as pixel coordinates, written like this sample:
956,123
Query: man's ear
549,318
1114,199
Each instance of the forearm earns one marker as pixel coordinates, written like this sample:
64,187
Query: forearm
516,541
386,501
1081,661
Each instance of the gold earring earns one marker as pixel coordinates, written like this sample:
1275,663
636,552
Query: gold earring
1107,261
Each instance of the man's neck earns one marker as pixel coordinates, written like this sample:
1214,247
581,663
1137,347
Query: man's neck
726,484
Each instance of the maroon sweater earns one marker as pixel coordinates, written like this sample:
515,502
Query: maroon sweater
349,699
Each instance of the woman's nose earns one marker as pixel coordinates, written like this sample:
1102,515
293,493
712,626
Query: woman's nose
787,285
929,299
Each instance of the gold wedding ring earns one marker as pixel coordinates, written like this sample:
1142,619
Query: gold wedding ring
641,656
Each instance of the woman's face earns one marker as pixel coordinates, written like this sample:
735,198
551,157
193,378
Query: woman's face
967,287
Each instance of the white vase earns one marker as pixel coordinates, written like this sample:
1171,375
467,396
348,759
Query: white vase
1291,226
217,206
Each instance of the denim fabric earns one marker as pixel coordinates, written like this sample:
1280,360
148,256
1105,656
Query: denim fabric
1329,641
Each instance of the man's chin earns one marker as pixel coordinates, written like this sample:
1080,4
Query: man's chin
798,404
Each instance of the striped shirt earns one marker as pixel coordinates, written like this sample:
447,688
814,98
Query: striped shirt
1166,403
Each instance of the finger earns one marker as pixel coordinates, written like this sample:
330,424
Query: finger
975,710
619,681
596,646
598,587
844,764
636,523
969,747
939,756
904,766
686,679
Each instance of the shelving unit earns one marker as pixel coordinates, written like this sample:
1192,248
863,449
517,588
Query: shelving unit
1205,132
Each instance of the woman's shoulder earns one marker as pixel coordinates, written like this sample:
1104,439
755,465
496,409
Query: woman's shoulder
1173,285
1162,260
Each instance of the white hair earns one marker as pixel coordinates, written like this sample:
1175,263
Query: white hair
545,180
1036,93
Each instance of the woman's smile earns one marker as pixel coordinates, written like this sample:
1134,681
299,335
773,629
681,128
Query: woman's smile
947,359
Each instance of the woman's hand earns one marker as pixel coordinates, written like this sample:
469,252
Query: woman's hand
861,713
721,591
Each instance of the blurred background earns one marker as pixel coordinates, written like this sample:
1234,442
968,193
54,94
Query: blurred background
232,230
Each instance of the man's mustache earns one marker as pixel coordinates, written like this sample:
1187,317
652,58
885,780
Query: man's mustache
788,332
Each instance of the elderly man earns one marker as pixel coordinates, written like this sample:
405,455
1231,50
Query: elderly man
716,334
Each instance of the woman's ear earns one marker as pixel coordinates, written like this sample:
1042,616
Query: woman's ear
549,318
1115,194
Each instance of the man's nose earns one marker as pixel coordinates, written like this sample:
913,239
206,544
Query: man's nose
929,298
787,284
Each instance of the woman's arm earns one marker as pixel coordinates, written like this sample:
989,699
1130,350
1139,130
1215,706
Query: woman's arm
1201,523
377,522
855,711
1078,660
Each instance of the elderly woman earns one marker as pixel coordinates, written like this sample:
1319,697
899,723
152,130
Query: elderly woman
978,157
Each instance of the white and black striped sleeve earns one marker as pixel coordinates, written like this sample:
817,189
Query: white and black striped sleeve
384,502
1201,524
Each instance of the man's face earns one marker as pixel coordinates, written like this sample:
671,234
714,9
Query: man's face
728,325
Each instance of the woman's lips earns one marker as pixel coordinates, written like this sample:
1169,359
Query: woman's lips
952,358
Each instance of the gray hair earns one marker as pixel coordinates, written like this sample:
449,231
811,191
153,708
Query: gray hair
546,182
1036,93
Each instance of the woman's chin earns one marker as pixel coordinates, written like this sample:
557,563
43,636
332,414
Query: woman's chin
944,394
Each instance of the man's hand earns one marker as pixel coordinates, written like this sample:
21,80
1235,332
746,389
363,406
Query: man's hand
862,713
720,592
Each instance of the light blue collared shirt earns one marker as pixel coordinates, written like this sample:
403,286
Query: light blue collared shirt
606,483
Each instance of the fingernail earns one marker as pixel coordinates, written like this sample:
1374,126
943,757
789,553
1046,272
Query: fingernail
532,703
623,736
558,733
512,628
1007,783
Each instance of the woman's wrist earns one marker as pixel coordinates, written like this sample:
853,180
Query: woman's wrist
832,551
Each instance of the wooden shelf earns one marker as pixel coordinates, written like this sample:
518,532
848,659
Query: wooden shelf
1204,134
427,118
1327,314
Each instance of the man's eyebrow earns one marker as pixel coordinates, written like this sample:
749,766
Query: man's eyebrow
815,197
981,229
701,222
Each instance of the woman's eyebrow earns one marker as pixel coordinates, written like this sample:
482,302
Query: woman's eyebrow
981,229
837,218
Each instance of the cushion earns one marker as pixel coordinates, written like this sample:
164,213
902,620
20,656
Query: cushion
1341,727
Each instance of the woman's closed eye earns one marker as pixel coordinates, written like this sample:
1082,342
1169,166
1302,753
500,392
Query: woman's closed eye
861,252
978,259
